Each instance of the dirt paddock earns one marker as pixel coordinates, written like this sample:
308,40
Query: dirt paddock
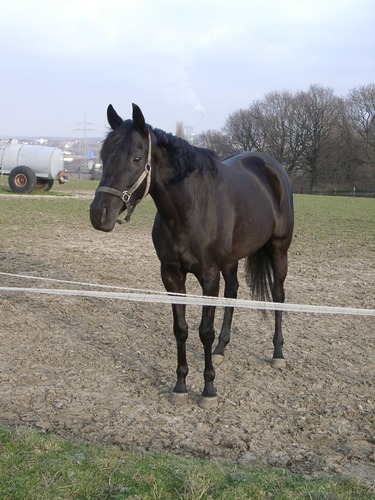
103,370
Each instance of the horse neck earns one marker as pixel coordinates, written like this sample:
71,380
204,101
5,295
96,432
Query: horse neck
171,197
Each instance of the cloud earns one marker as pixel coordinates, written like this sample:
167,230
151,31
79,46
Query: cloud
194,62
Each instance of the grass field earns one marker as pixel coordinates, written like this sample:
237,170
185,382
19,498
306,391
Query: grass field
39,466
316,216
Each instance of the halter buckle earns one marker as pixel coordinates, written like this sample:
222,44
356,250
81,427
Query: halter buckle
126,197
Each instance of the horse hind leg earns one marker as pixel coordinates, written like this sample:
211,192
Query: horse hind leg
230,291
279,262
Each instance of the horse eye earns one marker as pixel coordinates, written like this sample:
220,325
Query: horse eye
138,158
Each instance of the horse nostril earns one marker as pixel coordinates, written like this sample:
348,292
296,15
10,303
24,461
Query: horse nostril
98,214
103,214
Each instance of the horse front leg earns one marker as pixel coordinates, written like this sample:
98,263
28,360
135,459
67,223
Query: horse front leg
174,282
210,286
180,330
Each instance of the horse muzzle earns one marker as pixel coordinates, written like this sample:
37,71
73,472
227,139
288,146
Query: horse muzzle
103,216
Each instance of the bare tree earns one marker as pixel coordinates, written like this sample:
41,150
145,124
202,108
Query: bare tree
242,127
321,139
217,142
360,105
277,119
316,115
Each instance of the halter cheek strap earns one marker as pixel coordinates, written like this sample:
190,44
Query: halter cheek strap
128,193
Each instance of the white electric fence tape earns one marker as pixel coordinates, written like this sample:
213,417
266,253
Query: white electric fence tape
167,298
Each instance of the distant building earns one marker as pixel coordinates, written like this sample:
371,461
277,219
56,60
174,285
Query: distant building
189,134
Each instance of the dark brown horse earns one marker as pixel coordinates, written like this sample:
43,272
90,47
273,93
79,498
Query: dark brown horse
210,214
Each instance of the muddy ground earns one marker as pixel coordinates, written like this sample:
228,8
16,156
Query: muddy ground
103,370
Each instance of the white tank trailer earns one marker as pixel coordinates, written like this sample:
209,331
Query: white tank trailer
31,167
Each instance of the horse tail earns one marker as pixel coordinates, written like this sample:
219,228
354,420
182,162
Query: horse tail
258,272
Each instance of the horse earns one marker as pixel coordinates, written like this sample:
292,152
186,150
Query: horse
210,214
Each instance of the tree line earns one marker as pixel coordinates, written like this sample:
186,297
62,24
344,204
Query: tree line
325,142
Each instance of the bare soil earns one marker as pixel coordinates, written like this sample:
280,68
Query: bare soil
103,370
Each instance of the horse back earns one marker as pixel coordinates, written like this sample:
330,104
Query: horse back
263,166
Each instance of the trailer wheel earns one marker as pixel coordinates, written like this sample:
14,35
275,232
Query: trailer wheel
22,180
44,184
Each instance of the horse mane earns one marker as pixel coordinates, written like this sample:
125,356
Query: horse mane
185,157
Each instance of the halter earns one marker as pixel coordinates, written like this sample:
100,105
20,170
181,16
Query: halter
127,194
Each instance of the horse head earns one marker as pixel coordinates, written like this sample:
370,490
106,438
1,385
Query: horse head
126,178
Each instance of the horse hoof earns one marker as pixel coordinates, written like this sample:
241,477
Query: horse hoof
217,359
278,363
208,403
179,398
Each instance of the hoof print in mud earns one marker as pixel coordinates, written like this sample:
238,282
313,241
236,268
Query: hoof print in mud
208,403
278,363
179,398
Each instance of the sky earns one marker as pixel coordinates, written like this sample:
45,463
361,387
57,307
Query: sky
193,61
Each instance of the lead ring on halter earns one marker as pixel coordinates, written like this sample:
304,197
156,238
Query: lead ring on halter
127,194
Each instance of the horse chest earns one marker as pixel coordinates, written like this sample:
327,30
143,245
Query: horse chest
179,251
189,253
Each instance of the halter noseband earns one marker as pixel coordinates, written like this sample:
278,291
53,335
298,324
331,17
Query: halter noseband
128,193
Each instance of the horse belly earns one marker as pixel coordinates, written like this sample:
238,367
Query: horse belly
245,244
252,228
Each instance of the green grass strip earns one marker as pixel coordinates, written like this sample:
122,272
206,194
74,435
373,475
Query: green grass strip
39,466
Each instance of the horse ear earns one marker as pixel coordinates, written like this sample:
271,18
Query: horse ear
114,119
139,119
